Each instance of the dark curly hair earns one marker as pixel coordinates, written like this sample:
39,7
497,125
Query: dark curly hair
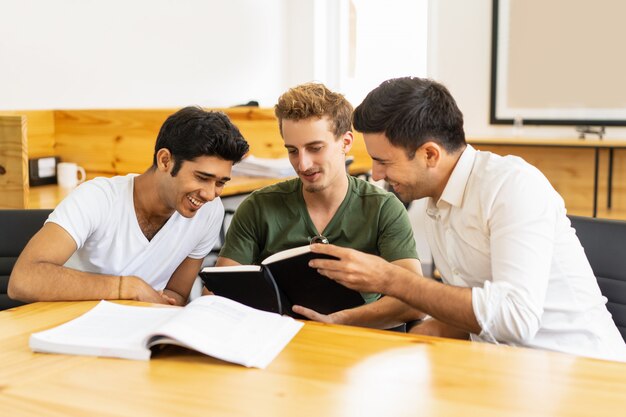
192,132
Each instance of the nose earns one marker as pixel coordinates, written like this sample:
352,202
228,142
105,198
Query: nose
378,171
209,192
304,161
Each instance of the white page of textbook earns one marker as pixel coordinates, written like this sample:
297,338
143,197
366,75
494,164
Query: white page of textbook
108,329
231,331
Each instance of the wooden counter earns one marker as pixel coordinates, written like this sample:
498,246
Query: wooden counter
586,172
117,142
49,196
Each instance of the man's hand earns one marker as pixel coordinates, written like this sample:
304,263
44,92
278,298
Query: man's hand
354,269
172,297
315,316
135,288
369,273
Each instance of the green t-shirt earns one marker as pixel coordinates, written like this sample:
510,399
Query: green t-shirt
275,218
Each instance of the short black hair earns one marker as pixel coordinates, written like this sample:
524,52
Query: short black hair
411,111
192,132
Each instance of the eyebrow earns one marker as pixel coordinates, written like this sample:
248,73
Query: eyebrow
208,174
315,142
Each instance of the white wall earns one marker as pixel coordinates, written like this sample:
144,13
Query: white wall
460,57
142,53
167,53
391,41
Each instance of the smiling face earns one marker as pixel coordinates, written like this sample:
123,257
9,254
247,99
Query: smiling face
198,181
411,179
316,155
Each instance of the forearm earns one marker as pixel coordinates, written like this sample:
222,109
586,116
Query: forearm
433,327
180,283
39,274
45,281
450,304
385,313
221,261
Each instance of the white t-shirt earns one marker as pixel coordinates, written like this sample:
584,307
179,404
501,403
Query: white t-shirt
100,217
502,230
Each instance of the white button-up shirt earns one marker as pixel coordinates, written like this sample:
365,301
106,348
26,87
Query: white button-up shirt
501,229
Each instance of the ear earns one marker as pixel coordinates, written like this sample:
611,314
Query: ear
346,141
432,152
165,161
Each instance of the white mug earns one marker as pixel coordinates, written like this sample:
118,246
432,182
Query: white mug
67,174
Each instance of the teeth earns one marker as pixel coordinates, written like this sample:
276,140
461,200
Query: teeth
195,202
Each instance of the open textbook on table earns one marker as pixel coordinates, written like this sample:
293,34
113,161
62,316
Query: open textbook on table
211,325
280,282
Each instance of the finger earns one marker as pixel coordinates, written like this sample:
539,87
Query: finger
169,300
343,278
334,274
310,314
155,300
160,298
328,264
329,249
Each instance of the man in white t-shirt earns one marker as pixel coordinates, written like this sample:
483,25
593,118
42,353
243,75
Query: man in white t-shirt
513,269
140,237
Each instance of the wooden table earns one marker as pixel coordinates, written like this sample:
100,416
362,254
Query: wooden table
325,371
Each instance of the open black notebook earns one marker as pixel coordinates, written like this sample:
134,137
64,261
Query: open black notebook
281,281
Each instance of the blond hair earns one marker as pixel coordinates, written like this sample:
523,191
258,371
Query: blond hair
315,100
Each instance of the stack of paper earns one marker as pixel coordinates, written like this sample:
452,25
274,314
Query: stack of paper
264,167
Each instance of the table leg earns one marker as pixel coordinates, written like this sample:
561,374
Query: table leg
609,191
595,182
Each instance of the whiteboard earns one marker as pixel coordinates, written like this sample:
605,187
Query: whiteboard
559,62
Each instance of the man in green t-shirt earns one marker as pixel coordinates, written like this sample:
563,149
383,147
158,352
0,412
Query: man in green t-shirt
324,203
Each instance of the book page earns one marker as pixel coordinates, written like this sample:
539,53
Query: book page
230,331
286,254
108,329
232,268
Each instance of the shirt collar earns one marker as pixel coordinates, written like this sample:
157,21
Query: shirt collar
455,187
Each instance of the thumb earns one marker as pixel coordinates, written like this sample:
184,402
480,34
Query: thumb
310,314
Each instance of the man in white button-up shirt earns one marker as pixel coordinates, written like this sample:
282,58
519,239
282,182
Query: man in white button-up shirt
513,269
